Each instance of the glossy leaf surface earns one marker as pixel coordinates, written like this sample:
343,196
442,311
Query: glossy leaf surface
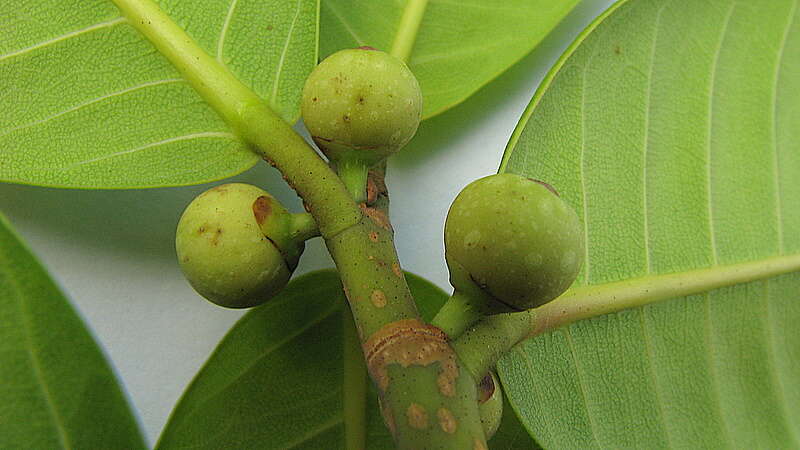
460,46
669,127
56,384
276,379
88,102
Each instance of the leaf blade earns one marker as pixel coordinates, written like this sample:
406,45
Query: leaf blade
447,77
56,381
112,113
294,342
664,110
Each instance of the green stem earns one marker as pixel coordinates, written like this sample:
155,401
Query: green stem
354,387
353,172
411,363
481,346
407,29
303,227
240,107
480,351
458,314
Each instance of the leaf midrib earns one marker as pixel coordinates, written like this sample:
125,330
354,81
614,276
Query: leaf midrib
589,301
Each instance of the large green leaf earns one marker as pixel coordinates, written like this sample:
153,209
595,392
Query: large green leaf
88,102
57,388
670,127
460,46
276,379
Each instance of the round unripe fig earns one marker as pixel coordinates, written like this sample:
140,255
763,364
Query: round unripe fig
490,404
361,99
234,246
515,239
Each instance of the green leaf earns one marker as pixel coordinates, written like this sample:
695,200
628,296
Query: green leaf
670,127
511,435
460,46
87,102
276,379
58,391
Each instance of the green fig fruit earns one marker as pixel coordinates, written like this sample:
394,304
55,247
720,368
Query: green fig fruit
515,240
362,100
235,247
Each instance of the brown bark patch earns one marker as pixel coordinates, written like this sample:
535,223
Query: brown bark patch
447,421
417,416
379,217
376,186
411,342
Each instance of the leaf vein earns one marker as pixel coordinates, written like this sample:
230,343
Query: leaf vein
769,330
581,386
64,37
279,69
93,101
344,23
207,134
224,31
709,133
776,153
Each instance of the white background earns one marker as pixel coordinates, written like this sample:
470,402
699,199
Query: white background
112,251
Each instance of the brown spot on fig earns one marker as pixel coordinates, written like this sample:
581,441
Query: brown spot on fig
373,236
201,230
417,416
269,27
485,388
314,99
214,238
262,208
447,421
366,47
378,298
411,342
346,118
397,270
